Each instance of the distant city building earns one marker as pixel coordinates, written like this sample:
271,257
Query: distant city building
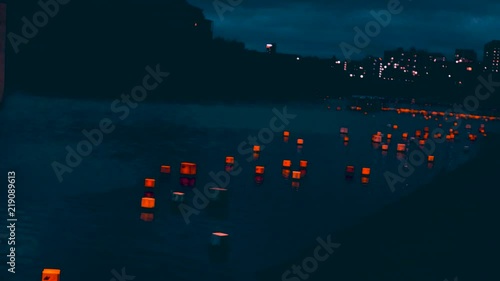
491,56
465,56
271,48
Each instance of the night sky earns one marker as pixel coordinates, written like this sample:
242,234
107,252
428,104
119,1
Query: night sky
317,27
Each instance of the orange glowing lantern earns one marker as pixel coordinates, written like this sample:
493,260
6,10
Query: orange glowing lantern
430,158
365,180
426,136
188,169
440,125
385,147
300,141
448,137
256,148
149,183
165,169
287,163
418,133
426,129
259,170
376,138
344,130
455,132
389,136
421,142
405,135
286,133
230,160
401,147
49,274
365,172
148,202
303,163
219,239
395,127
178,197
147,216
468,126
346,139
296,175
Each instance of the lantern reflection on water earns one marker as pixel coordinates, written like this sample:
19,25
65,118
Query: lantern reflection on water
285,139
296,185
50,274
285,173
149,183
259,179
365,180
147,216
147,202
187,182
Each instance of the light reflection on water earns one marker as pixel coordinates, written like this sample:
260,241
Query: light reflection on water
91,221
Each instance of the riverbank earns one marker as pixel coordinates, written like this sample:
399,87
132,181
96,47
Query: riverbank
444,230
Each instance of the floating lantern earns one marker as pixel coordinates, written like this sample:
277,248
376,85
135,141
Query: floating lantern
455,132
455,124
379,133
401,147
188,168
418,133
385,147
221,195
395,127
389,136
296,175
255,156
149,183
365,171
376,138
346,139
426,136
344,130
421,142
285,173
472,137
147,202
440,125
405,135
303,163
430,158
300,141
49,274
229,160
259,170
468,126
177,197
147,216
165,169
365,180
286,133
219,239
349,171
287,163
256,148
448,137
426,129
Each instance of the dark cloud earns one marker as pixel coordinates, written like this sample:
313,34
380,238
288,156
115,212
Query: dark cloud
317,27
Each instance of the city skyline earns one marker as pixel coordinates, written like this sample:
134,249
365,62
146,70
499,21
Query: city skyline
317,28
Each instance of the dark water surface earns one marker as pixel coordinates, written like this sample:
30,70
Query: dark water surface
89,224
